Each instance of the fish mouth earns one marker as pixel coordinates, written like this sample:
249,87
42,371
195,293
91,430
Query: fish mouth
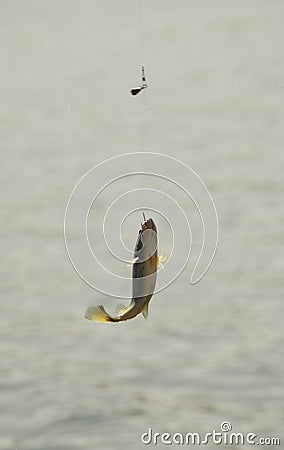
148,239
149,224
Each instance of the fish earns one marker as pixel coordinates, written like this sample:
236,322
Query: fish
144,274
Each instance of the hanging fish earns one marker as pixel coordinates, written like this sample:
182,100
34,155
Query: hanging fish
136,90
145,265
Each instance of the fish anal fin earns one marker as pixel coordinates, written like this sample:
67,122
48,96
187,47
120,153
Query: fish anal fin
120,309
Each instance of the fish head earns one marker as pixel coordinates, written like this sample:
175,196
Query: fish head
149,224
148,239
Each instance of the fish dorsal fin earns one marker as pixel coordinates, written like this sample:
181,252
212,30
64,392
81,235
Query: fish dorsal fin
120,309
145,310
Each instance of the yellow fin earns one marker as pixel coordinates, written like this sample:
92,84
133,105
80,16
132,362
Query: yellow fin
97,314
120,309
160,260
145,310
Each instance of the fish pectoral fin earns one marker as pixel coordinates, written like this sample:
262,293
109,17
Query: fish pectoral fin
145,310
160,260
133,261
120,309
97,314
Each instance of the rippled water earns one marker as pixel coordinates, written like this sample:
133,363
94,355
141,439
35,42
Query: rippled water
207,353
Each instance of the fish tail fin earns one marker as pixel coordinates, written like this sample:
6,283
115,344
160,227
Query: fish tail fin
98,314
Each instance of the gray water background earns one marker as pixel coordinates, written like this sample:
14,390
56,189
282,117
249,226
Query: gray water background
207,353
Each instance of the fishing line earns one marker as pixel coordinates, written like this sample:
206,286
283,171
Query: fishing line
141,30
144,83
136,90
143,73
